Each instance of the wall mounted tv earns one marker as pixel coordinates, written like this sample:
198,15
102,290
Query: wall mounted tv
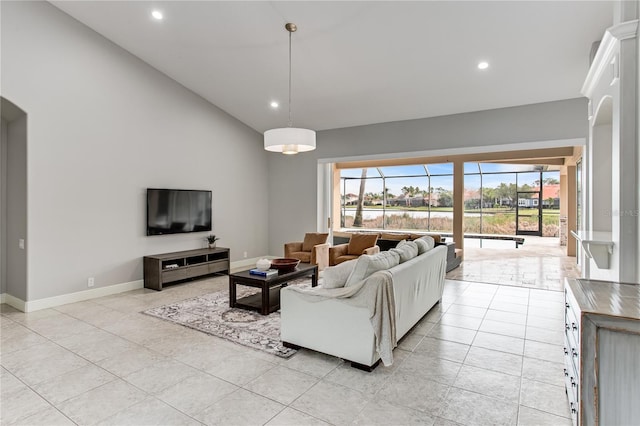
176,211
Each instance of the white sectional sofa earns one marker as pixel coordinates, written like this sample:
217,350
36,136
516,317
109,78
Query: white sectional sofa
326,321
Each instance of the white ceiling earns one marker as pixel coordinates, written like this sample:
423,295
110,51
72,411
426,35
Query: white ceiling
359,62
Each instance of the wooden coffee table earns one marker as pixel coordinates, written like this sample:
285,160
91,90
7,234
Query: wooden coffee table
268,300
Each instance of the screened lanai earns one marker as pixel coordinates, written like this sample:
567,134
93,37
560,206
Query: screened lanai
468,197
530,195
498,199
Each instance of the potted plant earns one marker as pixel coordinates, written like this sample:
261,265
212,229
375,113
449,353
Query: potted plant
211,239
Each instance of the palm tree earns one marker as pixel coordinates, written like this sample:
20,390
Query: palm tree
410,191
357,221
427,194
386,195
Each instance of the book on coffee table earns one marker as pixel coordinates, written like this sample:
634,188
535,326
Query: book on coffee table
260,272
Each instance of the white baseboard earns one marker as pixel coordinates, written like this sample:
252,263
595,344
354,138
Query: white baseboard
239,265
51,302
12,301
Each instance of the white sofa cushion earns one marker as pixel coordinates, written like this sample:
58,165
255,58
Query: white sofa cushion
407,250
336,276
424,244
368,264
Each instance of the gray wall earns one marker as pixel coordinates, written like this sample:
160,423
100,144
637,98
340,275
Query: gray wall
104,126
3,206
293,211
16,219
638,130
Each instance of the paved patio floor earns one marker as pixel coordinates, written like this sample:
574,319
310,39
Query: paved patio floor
539,263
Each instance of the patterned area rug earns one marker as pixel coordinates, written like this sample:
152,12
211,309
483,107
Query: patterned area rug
211,314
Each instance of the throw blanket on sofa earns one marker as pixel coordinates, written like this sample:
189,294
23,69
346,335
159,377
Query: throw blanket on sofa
377,297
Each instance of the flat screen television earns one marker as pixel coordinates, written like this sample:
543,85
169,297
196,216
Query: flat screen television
176,211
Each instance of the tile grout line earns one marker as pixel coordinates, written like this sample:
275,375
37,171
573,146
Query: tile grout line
524,347
117,377
171,357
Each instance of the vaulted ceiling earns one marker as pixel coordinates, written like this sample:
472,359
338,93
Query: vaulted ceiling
360,62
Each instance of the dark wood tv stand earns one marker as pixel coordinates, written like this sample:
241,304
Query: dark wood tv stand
167,268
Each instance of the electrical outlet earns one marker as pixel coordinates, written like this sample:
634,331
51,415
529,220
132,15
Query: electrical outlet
91,281
21,243
245,254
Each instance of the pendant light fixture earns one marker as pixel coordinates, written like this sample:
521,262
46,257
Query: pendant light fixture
290,140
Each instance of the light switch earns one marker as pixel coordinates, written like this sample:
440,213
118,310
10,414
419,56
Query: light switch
21,243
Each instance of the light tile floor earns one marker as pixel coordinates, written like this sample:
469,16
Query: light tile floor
488,354
539,263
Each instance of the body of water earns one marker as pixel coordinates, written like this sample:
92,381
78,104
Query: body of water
372,214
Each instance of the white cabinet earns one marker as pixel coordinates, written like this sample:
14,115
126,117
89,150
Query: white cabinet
602,352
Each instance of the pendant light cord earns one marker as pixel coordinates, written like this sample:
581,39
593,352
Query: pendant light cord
290,119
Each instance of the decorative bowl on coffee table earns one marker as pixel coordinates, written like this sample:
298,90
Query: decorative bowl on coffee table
284,264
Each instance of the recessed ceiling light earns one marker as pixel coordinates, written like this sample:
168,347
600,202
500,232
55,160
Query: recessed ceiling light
483,65
157,15
274,104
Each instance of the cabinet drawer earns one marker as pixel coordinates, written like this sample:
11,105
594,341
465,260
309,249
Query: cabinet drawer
218,266
174,275
571,354
573,409
197,270
572,384
572,325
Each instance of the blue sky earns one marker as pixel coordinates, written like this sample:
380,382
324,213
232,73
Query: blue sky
400,178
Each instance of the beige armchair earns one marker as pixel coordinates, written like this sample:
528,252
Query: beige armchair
314,250
358,245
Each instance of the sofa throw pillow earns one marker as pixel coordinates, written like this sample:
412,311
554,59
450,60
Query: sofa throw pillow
336,276
368,264
436,237
411,244
403,254
358,243
312,239
424,244
406,250
431,242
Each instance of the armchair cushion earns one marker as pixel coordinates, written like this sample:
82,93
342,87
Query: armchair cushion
340,253
358,243
394,237
345,258
317,255
372,250
336,252
302,256
312,239
292,248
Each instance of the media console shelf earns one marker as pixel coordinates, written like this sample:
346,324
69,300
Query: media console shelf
166,268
